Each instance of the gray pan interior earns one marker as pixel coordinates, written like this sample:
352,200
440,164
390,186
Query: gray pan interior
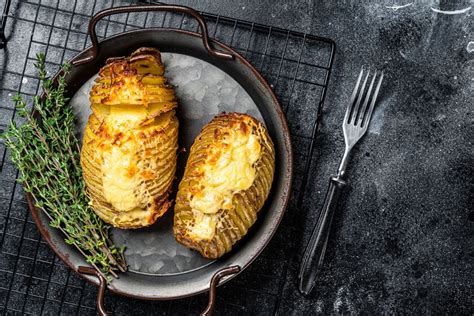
203,91
160,268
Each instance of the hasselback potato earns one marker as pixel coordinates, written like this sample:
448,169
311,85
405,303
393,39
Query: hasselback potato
227,179
129,148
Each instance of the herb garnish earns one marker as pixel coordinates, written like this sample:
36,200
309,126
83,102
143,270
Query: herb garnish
46,152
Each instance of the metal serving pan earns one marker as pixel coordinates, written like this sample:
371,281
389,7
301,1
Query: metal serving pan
162,269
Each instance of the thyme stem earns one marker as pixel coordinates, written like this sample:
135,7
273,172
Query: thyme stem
46,152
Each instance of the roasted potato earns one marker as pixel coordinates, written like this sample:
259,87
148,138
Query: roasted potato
226,181
130,142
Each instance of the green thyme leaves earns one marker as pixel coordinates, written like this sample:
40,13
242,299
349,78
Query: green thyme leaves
46,152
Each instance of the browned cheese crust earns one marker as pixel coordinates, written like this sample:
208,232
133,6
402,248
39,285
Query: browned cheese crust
130,141
232,222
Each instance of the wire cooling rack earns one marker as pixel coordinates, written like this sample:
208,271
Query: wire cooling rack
32,279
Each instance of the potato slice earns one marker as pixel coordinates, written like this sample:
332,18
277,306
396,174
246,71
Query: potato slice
130,141
227,179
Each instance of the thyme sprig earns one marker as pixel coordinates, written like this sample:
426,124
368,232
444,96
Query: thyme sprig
46,152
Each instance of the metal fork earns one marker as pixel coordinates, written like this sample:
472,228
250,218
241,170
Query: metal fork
355,125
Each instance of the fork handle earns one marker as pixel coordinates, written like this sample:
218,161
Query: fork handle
316,248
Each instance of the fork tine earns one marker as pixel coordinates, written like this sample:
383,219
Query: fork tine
353,96
366,101
355,112
372,104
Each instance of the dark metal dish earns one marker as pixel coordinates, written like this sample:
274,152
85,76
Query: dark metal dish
173,41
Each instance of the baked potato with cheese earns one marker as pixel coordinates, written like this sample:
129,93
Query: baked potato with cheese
130,142
227,179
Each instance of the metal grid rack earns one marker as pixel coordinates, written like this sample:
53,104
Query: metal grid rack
32,279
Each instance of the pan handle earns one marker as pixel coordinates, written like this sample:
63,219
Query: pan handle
102,286
142,8
212,289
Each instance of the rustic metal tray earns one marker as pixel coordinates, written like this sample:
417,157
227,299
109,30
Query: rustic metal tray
298,67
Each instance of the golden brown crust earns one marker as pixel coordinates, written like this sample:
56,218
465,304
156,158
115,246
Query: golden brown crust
232,224
133,119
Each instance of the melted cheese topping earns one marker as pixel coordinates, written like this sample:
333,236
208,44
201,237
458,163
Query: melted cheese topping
134,216
120,177
204,227
227,170
119,180
125,116
128,91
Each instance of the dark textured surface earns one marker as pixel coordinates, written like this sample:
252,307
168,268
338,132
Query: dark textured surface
402,239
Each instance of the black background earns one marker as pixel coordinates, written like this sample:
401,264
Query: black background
402,237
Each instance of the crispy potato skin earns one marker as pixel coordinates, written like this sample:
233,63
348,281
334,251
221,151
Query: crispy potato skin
130,141
232,224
